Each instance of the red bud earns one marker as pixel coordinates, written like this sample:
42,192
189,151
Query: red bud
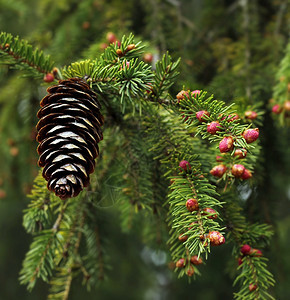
277,109
256,252
195,260
218,170
226,144
200,115
195,93
213,127
246,175
184,165
181,95
216,238
238,170
49,77
251,135
192,205
180,263
251,115
245,249
148,57
212,214
190,271
240,153
252,287
182,237
111,38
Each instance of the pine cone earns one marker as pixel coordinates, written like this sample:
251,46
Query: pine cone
69,130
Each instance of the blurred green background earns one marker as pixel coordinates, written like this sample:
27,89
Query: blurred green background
230,48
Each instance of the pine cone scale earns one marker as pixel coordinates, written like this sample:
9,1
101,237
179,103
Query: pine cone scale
50,143
72,110
65,132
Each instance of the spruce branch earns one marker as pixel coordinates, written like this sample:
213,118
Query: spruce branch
39,214
153,145
164,77
188,229
81,69
39,261
128,49
121,76
61,283
47,246
254,279
134,78
196,224
213,111
70,224
21,55
280,104
221,126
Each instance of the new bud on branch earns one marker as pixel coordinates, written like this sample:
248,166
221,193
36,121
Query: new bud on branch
245,249
277,109
216,238
181,95
195,93
210,213
182,237
238,170
226,144
252,287
240,153
184,165
213,127
218,170
192,205
246,175
190,271
195,260
251,135
49,77
251,115
201,115
180,263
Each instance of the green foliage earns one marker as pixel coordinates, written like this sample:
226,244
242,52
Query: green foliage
21,55
233,57
124,74
38,215
194,224
40,260
218,112
281,91
164,77
254,272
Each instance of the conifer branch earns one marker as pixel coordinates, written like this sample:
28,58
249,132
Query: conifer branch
39,261
162,142
254,278
198,110
165,75
39,214
61,283
280,104
47,246
20,54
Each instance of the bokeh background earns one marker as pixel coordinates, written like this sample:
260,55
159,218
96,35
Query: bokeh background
230,48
